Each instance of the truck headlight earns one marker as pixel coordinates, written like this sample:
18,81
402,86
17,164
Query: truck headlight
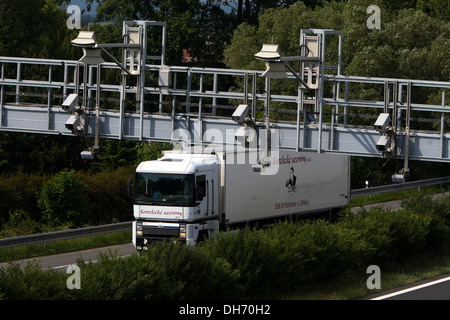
139,232
182,231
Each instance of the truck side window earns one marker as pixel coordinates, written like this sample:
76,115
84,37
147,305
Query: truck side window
201,187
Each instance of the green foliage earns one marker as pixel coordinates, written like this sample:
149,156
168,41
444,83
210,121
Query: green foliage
250,263
199,27
170,271
30,203
393,235
32,283
19,193
64,200
34,29
49,154
151,151
20,223
107,198
115,154
406,45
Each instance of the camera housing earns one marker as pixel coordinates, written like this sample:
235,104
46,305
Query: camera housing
382,122
240,113
70,103
384,144
73,123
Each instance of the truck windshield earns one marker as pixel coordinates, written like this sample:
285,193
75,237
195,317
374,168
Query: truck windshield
165,189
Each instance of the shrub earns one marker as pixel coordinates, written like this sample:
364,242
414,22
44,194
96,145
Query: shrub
19,224
318,249
107,195
439,212
392,234
64,200
168,271
32,283
20,192
252,254
249,263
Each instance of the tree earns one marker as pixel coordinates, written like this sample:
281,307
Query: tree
64,200
34,29
436,8
410,45
201,28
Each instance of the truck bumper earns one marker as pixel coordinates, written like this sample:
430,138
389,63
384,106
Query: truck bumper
146,233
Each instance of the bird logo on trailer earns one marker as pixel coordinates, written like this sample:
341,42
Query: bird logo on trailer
291,181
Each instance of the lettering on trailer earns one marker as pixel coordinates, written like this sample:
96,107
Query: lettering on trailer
287,159
291,204
177,214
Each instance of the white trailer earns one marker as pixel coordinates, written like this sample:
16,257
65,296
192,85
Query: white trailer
189,196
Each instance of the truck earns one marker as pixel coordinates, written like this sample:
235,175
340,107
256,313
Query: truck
189,195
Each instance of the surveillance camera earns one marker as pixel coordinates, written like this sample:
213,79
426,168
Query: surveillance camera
384,144
398,178
246,136
73,123
382,122
87,155
164,77
70,103
241,135
240,113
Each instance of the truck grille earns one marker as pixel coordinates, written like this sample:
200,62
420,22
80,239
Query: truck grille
156,232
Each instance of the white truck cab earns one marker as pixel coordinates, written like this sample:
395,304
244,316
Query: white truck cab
176,196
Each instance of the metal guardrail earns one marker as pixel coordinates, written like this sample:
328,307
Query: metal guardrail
124,226
399,187
64,235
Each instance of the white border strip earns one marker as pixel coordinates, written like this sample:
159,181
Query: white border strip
411,289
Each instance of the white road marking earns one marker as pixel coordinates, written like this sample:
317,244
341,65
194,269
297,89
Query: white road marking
411,289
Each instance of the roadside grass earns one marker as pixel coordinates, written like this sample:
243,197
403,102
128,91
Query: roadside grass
353,285
397,195
63,246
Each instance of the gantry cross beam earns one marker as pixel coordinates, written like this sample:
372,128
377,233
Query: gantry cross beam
169,103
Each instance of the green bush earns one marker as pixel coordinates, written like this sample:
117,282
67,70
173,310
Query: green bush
20,191
324,250
170,271
32,283
249,263
391,234
107,194
439,212
64,200
253,254
19,224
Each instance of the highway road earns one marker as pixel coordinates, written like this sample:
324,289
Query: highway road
432,289
62,261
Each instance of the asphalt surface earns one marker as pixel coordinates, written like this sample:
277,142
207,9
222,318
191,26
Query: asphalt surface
437,288
60,261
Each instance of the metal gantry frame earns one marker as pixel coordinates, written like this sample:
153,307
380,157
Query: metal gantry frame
192,100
